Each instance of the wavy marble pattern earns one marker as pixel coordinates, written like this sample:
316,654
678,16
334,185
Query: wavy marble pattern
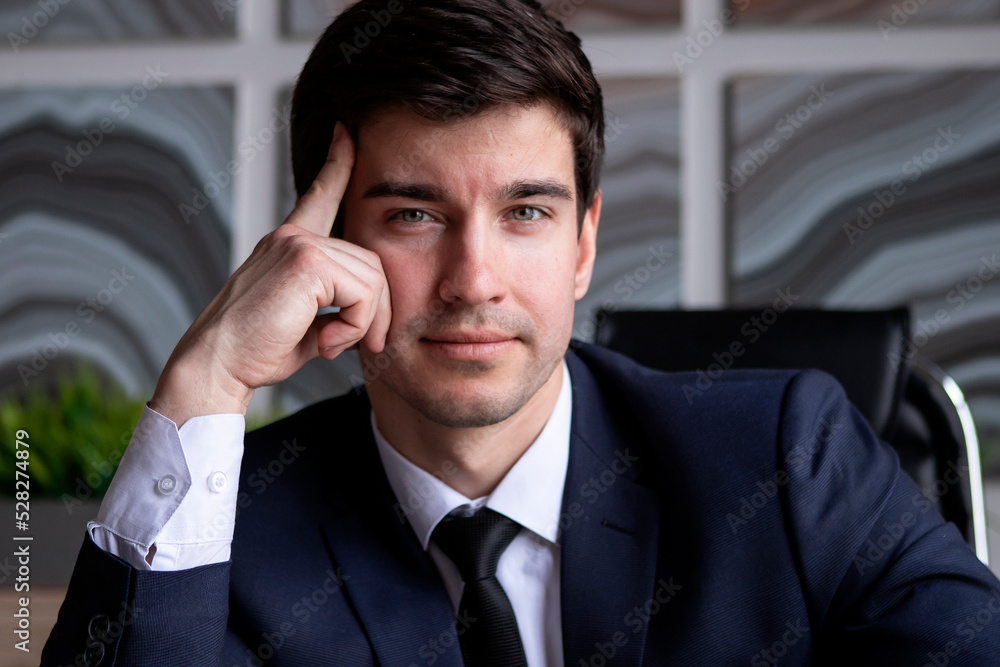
308,18
102,265
638,249
896,13
103,20
886,193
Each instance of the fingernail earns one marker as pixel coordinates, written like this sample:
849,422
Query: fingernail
338,131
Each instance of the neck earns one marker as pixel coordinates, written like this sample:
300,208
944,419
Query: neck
473,460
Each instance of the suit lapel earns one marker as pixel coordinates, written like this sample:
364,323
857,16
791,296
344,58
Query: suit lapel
396,593
609,536
391,582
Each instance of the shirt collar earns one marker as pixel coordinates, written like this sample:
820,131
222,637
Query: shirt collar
531,492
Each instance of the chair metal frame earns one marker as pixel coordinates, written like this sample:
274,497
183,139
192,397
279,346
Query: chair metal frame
978,499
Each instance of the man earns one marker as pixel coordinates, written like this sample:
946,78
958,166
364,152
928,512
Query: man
493,497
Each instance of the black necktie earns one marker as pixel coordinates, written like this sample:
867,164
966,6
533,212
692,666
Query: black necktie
487,629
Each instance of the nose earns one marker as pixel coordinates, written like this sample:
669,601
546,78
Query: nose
473,265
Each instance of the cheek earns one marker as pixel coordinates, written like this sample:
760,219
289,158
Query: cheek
548,288
410,280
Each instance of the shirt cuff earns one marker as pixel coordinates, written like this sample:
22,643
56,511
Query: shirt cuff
175,489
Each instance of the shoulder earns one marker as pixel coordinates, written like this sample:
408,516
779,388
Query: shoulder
713,429
310,429
690,393
349,408
307,460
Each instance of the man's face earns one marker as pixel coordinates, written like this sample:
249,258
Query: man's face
475,222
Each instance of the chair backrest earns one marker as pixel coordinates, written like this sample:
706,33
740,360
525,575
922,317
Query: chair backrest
868,352
864,350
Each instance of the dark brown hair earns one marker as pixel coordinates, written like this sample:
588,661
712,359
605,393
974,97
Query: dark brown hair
445,60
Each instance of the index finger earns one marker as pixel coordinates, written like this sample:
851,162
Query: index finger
317,208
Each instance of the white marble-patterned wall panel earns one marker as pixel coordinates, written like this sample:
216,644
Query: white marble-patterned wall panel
638,248
885,16
308,18
113,235
25,23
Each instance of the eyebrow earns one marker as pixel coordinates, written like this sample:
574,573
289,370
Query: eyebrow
528,189
418,191
432,193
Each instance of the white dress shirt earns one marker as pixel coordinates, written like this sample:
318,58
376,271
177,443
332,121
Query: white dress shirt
172,506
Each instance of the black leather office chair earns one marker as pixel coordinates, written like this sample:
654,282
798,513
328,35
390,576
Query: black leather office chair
909,402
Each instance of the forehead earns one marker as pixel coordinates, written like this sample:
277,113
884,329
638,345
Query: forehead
492,147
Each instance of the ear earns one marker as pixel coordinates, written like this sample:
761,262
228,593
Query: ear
587,247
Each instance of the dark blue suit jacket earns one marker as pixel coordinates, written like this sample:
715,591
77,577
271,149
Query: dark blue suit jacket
763,523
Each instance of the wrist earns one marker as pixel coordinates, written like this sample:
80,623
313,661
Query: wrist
193,387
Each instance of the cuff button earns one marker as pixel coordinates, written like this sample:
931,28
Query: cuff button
166,484
93,655
99,627
217,481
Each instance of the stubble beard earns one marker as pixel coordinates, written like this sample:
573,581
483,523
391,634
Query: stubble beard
456,409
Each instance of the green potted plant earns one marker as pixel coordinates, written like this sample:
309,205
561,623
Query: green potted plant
77,431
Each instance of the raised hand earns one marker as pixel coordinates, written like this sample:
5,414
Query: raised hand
262,326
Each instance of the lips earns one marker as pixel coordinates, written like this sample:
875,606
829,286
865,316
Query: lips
481,346
471,337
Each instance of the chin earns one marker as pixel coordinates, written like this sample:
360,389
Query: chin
469,409
467,394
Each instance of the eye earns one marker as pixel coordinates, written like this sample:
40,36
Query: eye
526,213
413,215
